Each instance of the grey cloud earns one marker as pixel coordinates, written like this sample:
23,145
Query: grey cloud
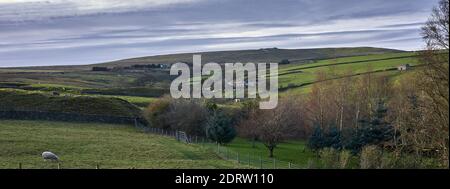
139,30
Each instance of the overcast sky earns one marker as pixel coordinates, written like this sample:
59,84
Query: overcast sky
62,32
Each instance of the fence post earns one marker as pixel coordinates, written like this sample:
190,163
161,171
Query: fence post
274,163
20,165
218,148
59,165
226,153
238,158
260,162
97,166
289,165
248,159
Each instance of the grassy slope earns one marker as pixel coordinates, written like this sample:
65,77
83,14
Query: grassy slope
261,55
306,73
20,100
85,145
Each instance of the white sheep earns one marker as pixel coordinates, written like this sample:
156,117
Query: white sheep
50,156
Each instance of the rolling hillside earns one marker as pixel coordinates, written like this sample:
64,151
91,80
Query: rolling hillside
260,55
141,88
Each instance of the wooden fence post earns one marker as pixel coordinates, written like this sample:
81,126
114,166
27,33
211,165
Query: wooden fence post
97,166
260,162
226,153
289,165
59,165
20,165
218,148
238,158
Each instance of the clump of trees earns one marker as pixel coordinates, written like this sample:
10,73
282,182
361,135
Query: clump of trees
370,132
195,117
370,116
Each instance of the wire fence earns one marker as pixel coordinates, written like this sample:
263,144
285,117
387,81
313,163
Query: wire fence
244,159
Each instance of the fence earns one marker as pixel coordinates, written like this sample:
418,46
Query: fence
71,117
246,160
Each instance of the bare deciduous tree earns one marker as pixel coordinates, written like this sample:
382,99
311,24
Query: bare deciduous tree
434,77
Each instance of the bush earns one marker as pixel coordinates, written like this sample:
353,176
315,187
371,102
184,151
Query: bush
371,157
156,113
219,128
189,116
344,159
329,158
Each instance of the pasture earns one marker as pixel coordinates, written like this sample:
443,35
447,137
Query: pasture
85,145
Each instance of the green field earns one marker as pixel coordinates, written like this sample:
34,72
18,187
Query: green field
86,145
295,152
307,73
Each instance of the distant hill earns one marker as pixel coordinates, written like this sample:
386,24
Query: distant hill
260,55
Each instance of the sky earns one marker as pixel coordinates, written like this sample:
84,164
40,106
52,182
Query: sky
73,32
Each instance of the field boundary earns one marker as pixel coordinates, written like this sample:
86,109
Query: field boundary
69,117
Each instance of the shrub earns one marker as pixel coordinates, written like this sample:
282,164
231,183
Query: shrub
329,158
311,164
178,114
156,113
344,159
371,157
189,116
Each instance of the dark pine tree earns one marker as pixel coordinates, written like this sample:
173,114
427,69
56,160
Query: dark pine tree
219,128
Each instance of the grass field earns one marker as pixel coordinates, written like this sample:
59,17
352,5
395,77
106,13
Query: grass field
306,73
295,152
86,145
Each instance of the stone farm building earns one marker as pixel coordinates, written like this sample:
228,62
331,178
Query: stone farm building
403,67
